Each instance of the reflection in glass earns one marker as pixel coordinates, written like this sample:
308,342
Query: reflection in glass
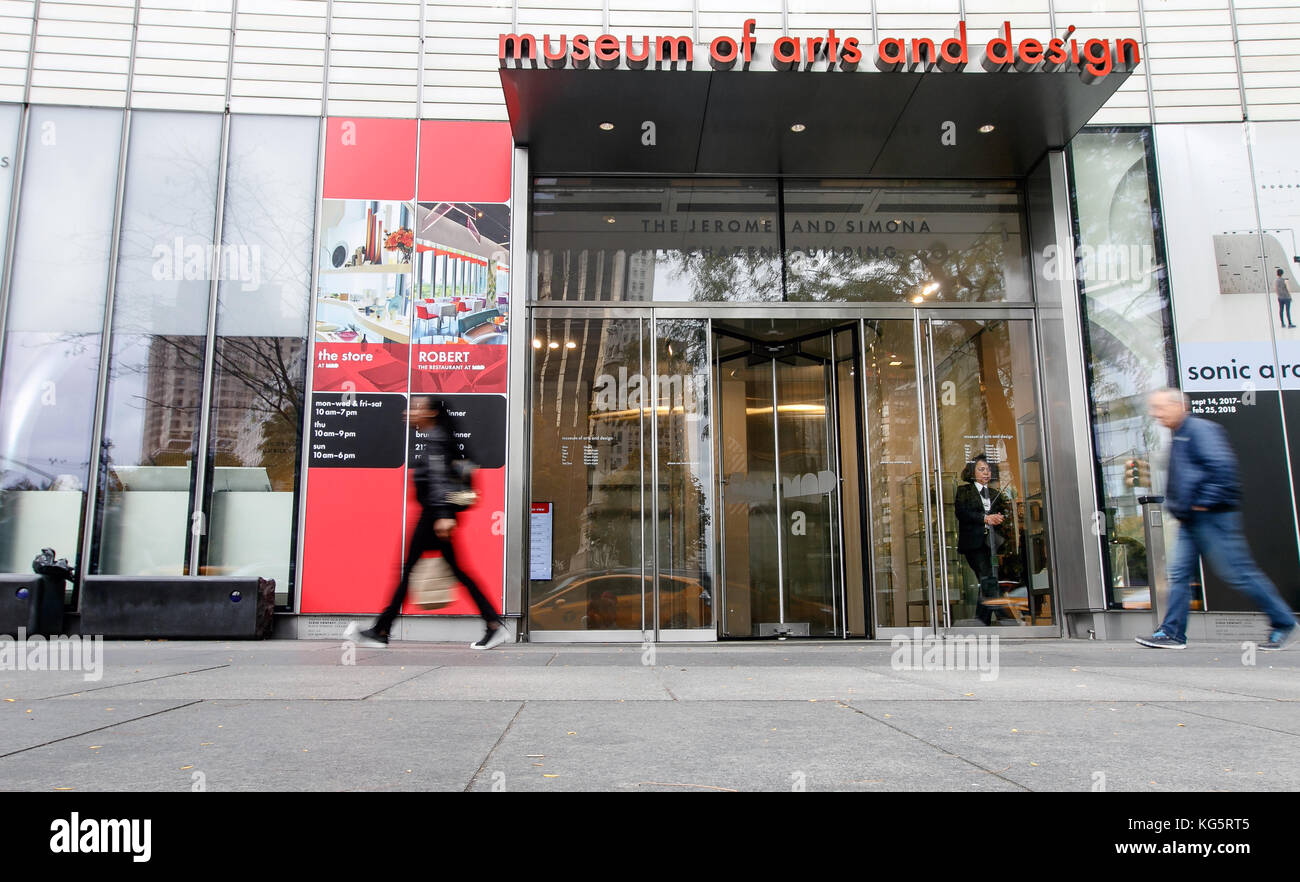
160,311
983,384
257,399
930,243
590,422
748,497
849,414
643,240
897,488
55,320
685,474
1128,329
808,488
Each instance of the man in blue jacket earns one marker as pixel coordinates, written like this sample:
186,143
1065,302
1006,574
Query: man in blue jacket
1203,493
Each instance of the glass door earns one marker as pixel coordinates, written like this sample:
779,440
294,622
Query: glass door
782,530
989,521
620,545
960,539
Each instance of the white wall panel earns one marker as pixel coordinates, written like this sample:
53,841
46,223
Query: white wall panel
84,47
160,79
460,59
279,59
726,17
66,33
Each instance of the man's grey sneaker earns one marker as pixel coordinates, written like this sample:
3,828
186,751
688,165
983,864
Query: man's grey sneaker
1280,639
1161,640
367,637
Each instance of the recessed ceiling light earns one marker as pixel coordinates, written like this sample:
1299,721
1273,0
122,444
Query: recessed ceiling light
917,299
986,128
537,344
798,127
930,288
570,345
608,219
895,363
607,127
553,345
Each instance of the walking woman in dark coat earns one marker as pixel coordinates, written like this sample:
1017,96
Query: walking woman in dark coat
435,470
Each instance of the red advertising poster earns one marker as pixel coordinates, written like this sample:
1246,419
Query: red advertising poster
413,297
356,456
369,158
465,160
462,297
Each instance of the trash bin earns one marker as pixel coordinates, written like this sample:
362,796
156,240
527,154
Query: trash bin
47,606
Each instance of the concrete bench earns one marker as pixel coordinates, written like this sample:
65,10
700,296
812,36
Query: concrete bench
31,602
178,607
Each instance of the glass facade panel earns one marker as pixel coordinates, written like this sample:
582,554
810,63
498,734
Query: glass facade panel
984,391
931,243
263,296
898,487
160,316
1128,331
592,567
685,474
55,321
655,240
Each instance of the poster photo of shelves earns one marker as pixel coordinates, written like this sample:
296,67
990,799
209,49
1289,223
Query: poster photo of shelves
461,297
363,307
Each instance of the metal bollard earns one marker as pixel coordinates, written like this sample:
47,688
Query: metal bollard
1153,530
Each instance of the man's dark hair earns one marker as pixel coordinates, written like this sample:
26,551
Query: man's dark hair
968,473
1279,271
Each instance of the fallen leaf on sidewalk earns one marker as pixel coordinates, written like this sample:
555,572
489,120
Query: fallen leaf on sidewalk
183,768
96,746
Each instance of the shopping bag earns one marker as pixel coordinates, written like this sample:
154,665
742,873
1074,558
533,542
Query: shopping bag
432,583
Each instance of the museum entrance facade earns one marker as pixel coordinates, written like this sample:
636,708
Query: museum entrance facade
756,408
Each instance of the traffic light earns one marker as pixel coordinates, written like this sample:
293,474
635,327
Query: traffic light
1137,473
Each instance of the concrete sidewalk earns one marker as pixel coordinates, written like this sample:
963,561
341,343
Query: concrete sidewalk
296,715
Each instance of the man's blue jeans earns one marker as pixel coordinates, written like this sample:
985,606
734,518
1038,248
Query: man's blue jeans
1217,537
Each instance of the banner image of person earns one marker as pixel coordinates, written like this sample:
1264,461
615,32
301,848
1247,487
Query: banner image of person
462,297
1236,361
363,305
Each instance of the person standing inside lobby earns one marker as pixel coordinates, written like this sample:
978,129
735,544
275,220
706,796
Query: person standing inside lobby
1203,492
1283,300
980,513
